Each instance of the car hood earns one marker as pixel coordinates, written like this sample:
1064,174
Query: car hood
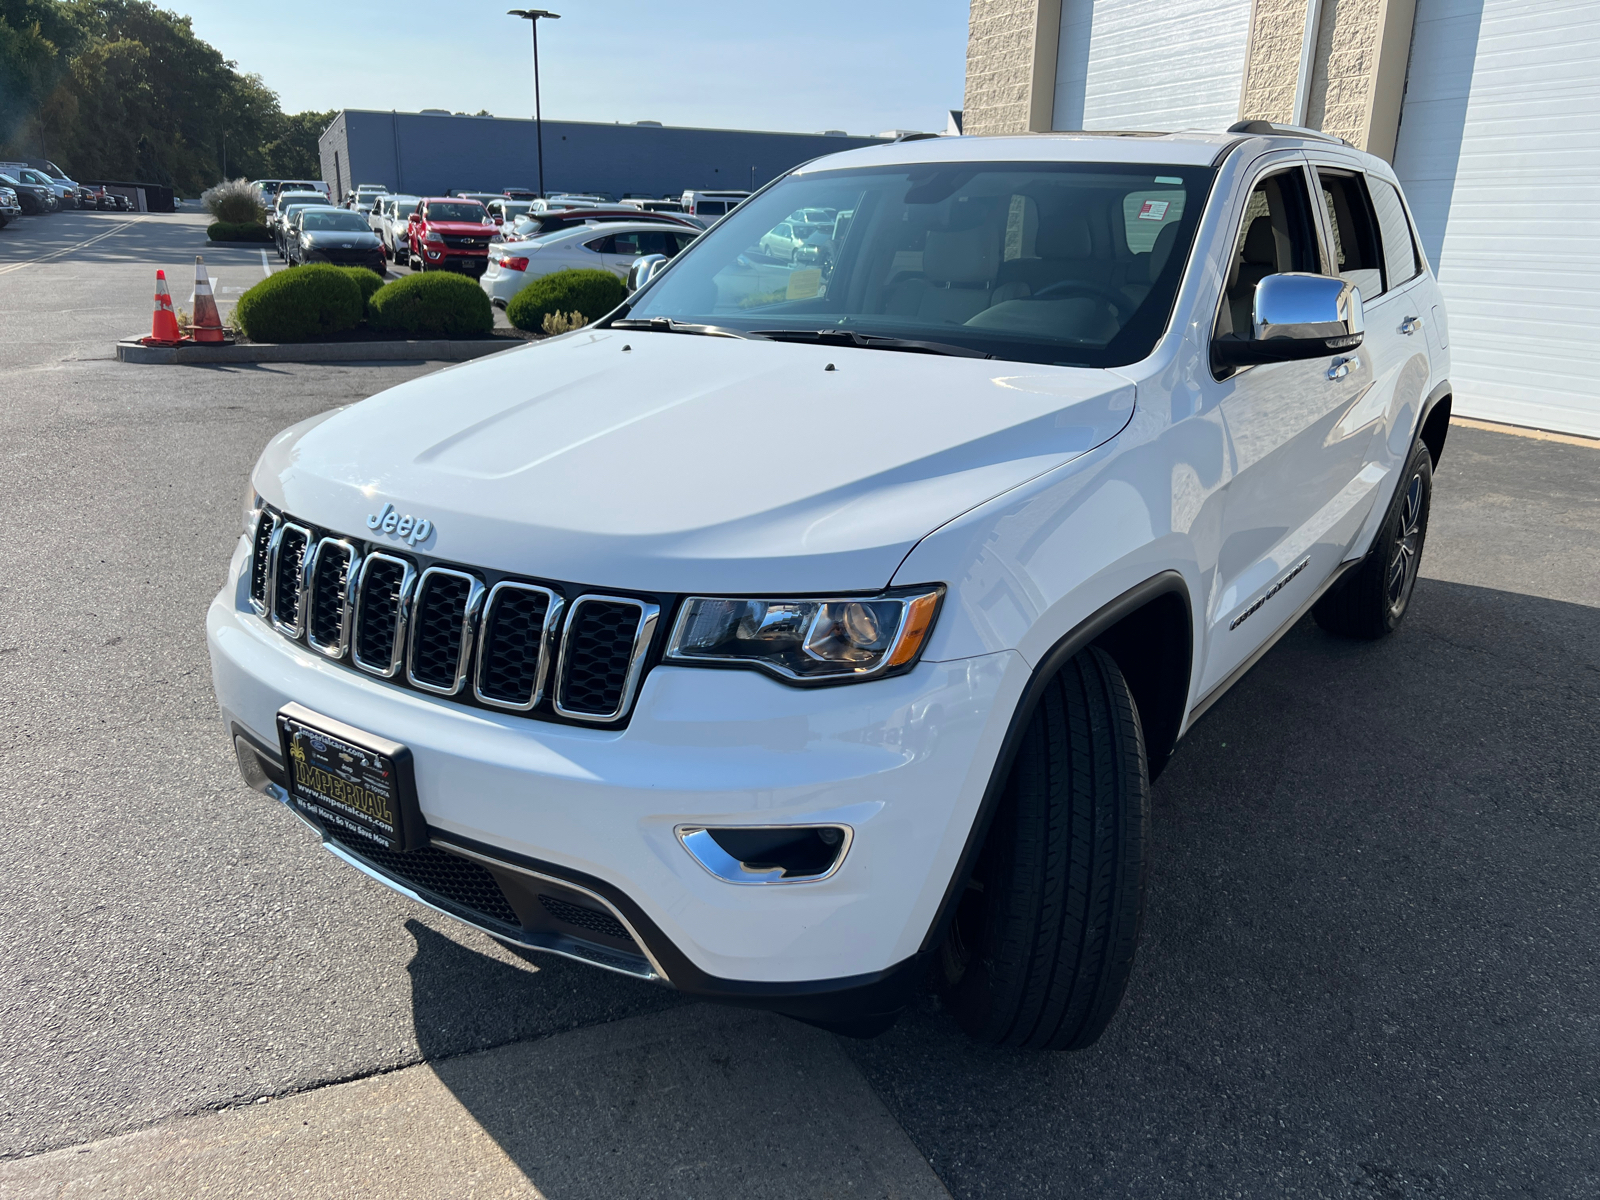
462,227
672,463
339,235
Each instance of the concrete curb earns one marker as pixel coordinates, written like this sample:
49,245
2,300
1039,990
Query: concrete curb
130,351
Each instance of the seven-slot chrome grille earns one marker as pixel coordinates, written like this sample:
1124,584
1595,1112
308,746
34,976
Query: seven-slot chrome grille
509,644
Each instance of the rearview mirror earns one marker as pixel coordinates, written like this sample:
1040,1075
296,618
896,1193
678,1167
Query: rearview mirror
644,269
1297,315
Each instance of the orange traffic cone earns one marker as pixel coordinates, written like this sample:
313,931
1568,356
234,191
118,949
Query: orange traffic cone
164,322
207,323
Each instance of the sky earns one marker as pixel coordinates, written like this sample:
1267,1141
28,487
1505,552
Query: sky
862,66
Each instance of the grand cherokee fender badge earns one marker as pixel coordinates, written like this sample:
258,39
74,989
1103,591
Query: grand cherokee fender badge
412,529
1270,593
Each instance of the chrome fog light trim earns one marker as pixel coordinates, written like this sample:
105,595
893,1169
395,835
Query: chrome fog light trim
703,848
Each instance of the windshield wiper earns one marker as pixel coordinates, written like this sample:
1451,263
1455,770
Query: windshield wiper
869,341
668,325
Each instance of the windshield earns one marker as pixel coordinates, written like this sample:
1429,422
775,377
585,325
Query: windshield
458,210
285,199
335,219
1069,263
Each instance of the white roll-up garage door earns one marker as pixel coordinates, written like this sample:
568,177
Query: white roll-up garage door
1499,152
1151,64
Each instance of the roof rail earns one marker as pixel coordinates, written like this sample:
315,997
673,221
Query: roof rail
914,137
1273,129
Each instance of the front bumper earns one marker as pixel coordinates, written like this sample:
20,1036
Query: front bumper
465,261
903,762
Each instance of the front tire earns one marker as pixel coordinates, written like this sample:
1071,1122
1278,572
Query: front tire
1373,599
1042,945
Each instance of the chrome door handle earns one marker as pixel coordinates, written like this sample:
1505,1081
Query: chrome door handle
1410,325
1340,367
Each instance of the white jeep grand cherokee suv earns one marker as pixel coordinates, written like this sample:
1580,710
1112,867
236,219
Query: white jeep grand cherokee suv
798,632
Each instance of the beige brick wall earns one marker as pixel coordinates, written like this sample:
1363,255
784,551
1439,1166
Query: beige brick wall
1345,67
1003,45
1272,64
1357,75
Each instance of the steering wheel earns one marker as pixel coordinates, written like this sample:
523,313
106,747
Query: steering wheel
1124,306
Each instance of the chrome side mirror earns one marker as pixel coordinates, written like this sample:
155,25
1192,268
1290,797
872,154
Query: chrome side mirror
644,269
1294,316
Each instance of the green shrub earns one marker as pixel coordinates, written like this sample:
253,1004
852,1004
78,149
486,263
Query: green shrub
299,305
432,304
592,293
234,202
368,280
226,231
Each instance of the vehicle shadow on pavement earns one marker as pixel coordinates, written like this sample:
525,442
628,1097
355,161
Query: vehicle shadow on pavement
1368,964
679,1099
1367,969
463,1001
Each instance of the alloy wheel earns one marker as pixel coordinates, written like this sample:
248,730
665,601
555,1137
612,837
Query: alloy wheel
1402,571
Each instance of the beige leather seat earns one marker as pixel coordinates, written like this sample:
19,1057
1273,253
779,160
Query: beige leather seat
958,275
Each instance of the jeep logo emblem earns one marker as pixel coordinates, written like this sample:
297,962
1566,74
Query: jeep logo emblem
412,529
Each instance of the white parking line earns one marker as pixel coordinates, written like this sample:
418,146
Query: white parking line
43,258
266,268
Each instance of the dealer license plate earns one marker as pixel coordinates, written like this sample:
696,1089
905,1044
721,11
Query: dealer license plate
357,786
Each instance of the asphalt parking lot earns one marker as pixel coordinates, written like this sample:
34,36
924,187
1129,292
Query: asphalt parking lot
1369,966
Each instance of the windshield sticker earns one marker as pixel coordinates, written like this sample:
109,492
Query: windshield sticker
804,285
1153,210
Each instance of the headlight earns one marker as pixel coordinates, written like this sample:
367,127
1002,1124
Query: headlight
807,641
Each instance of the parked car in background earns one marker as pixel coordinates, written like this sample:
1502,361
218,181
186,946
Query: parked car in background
573,200
120,202
326,234
362,198
789,239
305,185
284,200
480,197
519,193
393,215
66,188
61,193
505,212
446,234
712,206
671,207
289,224
553,220
10,208
608,247
31,196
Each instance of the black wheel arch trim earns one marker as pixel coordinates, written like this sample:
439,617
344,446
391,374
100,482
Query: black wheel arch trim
1433,433
1086,633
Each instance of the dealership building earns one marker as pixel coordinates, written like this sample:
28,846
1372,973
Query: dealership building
430,153
1488,109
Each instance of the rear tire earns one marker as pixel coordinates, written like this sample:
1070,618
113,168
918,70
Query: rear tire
1373,598
1039,954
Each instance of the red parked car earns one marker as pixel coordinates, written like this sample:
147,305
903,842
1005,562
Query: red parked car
449,234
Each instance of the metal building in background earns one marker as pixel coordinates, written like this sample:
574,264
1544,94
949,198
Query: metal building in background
1488,109
431,153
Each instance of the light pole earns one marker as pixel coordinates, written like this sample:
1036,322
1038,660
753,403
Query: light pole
532,16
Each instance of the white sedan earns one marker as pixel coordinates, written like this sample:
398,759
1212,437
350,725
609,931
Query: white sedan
611,246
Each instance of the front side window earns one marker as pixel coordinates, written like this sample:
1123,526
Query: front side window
1276,235
1401,262
1068,263
1354,231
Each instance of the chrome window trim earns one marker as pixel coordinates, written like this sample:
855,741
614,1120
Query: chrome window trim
263,606
346,617
649,614
554,611
402,618
469,628
294,630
